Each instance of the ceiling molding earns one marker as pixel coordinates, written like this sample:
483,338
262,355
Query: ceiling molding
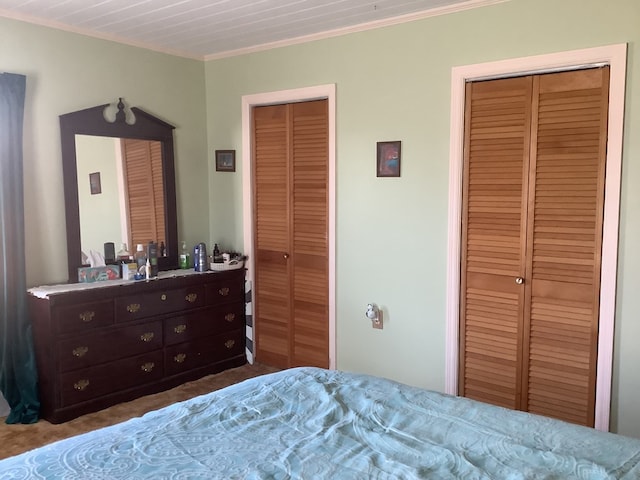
361,27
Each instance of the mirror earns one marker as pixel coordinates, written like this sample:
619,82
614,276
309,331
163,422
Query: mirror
102,203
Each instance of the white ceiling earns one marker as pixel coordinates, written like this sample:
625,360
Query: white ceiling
207,29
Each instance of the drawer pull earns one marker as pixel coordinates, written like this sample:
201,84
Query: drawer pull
179,358
87,316
80,351
147,367
229,344
191,297
224,291
81,385
147,337
133,307
163,297
180,328
230,317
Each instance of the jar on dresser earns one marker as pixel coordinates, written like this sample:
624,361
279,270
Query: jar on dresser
101,344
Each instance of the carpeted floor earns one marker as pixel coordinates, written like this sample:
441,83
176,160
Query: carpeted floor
15,439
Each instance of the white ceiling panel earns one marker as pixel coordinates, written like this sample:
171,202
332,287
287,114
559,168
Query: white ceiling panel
216,28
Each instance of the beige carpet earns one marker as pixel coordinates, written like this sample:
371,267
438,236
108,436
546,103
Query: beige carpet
15,439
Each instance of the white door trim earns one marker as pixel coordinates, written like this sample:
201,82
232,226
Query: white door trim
289,96
616,57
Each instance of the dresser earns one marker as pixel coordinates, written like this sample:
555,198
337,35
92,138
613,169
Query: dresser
98,345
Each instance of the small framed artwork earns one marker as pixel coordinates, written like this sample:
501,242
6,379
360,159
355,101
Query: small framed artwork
94,183
388,159
225,160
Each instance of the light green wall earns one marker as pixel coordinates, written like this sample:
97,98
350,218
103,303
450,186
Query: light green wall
394,84
67,72
99,213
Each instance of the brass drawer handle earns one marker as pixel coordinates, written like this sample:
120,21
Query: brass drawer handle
180,328
80,385
230,317
147,337
224,291
229,344
191,297
163,297
147,367
179,358
80,351
133,307
87,316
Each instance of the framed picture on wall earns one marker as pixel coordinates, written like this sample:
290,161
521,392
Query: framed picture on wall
94,183
225,160
388,159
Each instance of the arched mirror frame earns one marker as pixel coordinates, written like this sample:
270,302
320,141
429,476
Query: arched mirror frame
92,121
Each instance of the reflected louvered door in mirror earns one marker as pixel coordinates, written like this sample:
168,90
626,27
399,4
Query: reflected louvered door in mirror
142,168
290,166
529,339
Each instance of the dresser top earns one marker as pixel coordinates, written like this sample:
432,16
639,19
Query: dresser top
45,291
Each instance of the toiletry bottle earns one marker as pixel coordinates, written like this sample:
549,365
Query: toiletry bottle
123,253
147,269
184,256
141,257
152,257
217,256
163,250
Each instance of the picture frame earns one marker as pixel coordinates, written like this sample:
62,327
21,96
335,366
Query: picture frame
225,160
388,157
94,183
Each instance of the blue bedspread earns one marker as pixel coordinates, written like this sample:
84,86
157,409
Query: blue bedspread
308,423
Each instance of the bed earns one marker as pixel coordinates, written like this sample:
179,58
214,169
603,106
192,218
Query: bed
309,423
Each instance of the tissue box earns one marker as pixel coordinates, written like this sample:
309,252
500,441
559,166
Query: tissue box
98,274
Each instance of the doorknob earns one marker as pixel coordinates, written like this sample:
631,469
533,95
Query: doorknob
285,256
519,280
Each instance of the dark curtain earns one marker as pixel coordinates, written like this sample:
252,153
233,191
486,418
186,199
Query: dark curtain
18,375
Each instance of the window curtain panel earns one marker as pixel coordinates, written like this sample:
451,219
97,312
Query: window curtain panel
18,374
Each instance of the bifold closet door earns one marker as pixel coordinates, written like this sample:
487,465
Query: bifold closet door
144,190
291,234
535,150
497,138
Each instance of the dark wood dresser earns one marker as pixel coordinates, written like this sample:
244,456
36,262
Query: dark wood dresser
96,347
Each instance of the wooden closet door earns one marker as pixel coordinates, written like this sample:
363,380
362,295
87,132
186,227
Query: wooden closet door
272,286
568,152
530,277
310,238
144,190
291,234
497,134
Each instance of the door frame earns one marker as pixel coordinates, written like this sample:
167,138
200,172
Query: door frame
319,92
615,56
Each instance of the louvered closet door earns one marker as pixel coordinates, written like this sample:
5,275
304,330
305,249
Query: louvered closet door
496,166
291,238
144,190
530,275
565,231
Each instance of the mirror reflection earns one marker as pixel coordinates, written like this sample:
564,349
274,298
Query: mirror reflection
119,176
120,192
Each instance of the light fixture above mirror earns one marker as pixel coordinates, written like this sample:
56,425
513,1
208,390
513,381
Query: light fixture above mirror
135,130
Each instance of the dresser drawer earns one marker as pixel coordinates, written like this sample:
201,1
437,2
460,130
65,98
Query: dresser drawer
203,351
83,317
158,302
90,383
225,290
208,321
109,344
